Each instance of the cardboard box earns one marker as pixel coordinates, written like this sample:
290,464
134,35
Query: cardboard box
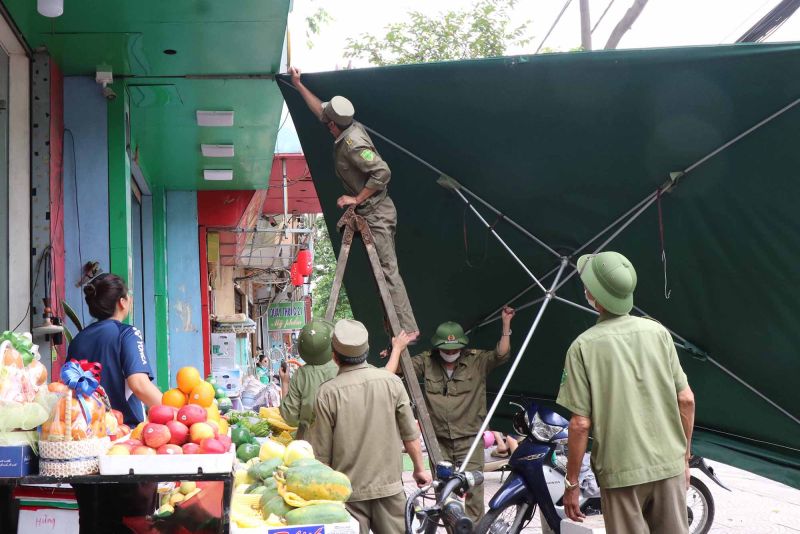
223,351
592,524
18,461
230,380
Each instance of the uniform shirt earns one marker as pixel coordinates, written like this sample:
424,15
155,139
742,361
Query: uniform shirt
457,404
297,407
359,165
624,374
361,417
120,350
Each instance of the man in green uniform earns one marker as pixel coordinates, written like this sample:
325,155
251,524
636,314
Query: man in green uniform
299,393
365,176
455,388
363,417
623,381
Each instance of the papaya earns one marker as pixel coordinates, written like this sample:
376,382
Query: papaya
263,470
266,496
277,506
318,514
253,487
309,462
317,484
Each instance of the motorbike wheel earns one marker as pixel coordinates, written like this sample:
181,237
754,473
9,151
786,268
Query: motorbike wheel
699,506
500,520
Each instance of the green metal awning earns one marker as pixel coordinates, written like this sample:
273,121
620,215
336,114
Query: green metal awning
178,58
564,145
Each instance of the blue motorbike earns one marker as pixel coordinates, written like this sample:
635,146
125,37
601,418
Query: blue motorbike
538,467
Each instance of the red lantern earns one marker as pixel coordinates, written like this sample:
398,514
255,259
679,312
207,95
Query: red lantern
305,262
296,277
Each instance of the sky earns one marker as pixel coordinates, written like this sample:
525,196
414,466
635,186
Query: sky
663,23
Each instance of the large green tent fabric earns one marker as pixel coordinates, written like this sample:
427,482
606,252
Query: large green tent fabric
564,144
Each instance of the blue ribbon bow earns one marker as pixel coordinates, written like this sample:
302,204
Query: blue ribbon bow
82,382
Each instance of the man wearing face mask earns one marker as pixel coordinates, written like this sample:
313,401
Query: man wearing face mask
455,387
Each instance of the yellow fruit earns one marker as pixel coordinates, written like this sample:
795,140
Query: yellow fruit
271,449
265,412
136,433
187,486
297,449
241,477
223,426
175,498
202,394
213,412
187,378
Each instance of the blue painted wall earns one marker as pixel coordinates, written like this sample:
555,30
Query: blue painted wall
86,167
148,290
183,273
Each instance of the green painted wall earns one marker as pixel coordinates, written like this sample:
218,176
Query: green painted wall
119,188
160,285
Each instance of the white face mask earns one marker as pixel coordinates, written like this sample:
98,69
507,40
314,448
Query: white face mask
450,358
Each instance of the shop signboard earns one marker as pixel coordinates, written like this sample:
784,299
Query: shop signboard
286,315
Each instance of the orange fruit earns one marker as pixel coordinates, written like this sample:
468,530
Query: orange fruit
202,394
187,378
175,398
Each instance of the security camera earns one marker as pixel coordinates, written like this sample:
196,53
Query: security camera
108,93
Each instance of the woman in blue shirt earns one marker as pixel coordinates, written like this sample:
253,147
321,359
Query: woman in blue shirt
126,376
127,379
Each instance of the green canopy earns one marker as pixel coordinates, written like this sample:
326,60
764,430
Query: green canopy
563,145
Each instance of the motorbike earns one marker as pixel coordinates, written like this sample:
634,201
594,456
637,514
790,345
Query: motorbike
538,467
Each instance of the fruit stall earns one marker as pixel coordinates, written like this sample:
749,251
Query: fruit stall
217,470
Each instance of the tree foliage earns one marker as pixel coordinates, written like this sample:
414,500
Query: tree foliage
483,30
322,277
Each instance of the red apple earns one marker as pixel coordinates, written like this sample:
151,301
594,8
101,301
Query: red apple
225,440
214,426
191,414
141,449
191,448
178,431
118,415
160,414
169,449
212,446
155,435
131,443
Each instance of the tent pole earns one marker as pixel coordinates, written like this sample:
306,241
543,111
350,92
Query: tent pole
500,239
460,186
613,224
547,298
618,231
492,317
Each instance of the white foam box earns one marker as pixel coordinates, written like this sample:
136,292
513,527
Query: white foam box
592,524
166,464
223,351
331,528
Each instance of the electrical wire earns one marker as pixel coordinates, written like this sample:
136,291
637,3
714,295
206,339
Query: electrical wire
553,27
596,24
77,209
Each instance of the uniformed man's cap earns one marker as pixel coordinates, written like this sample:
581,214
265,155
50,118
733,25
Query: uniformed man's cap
314,342
350,338
449,336
339,110
610,278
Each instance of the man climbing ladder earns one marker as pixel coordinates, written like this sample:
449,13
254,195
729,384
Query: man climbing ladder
364,175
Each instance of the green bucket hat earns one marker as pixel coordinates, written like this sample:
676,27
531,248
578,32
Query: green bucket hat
314,342
449,336
610,278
